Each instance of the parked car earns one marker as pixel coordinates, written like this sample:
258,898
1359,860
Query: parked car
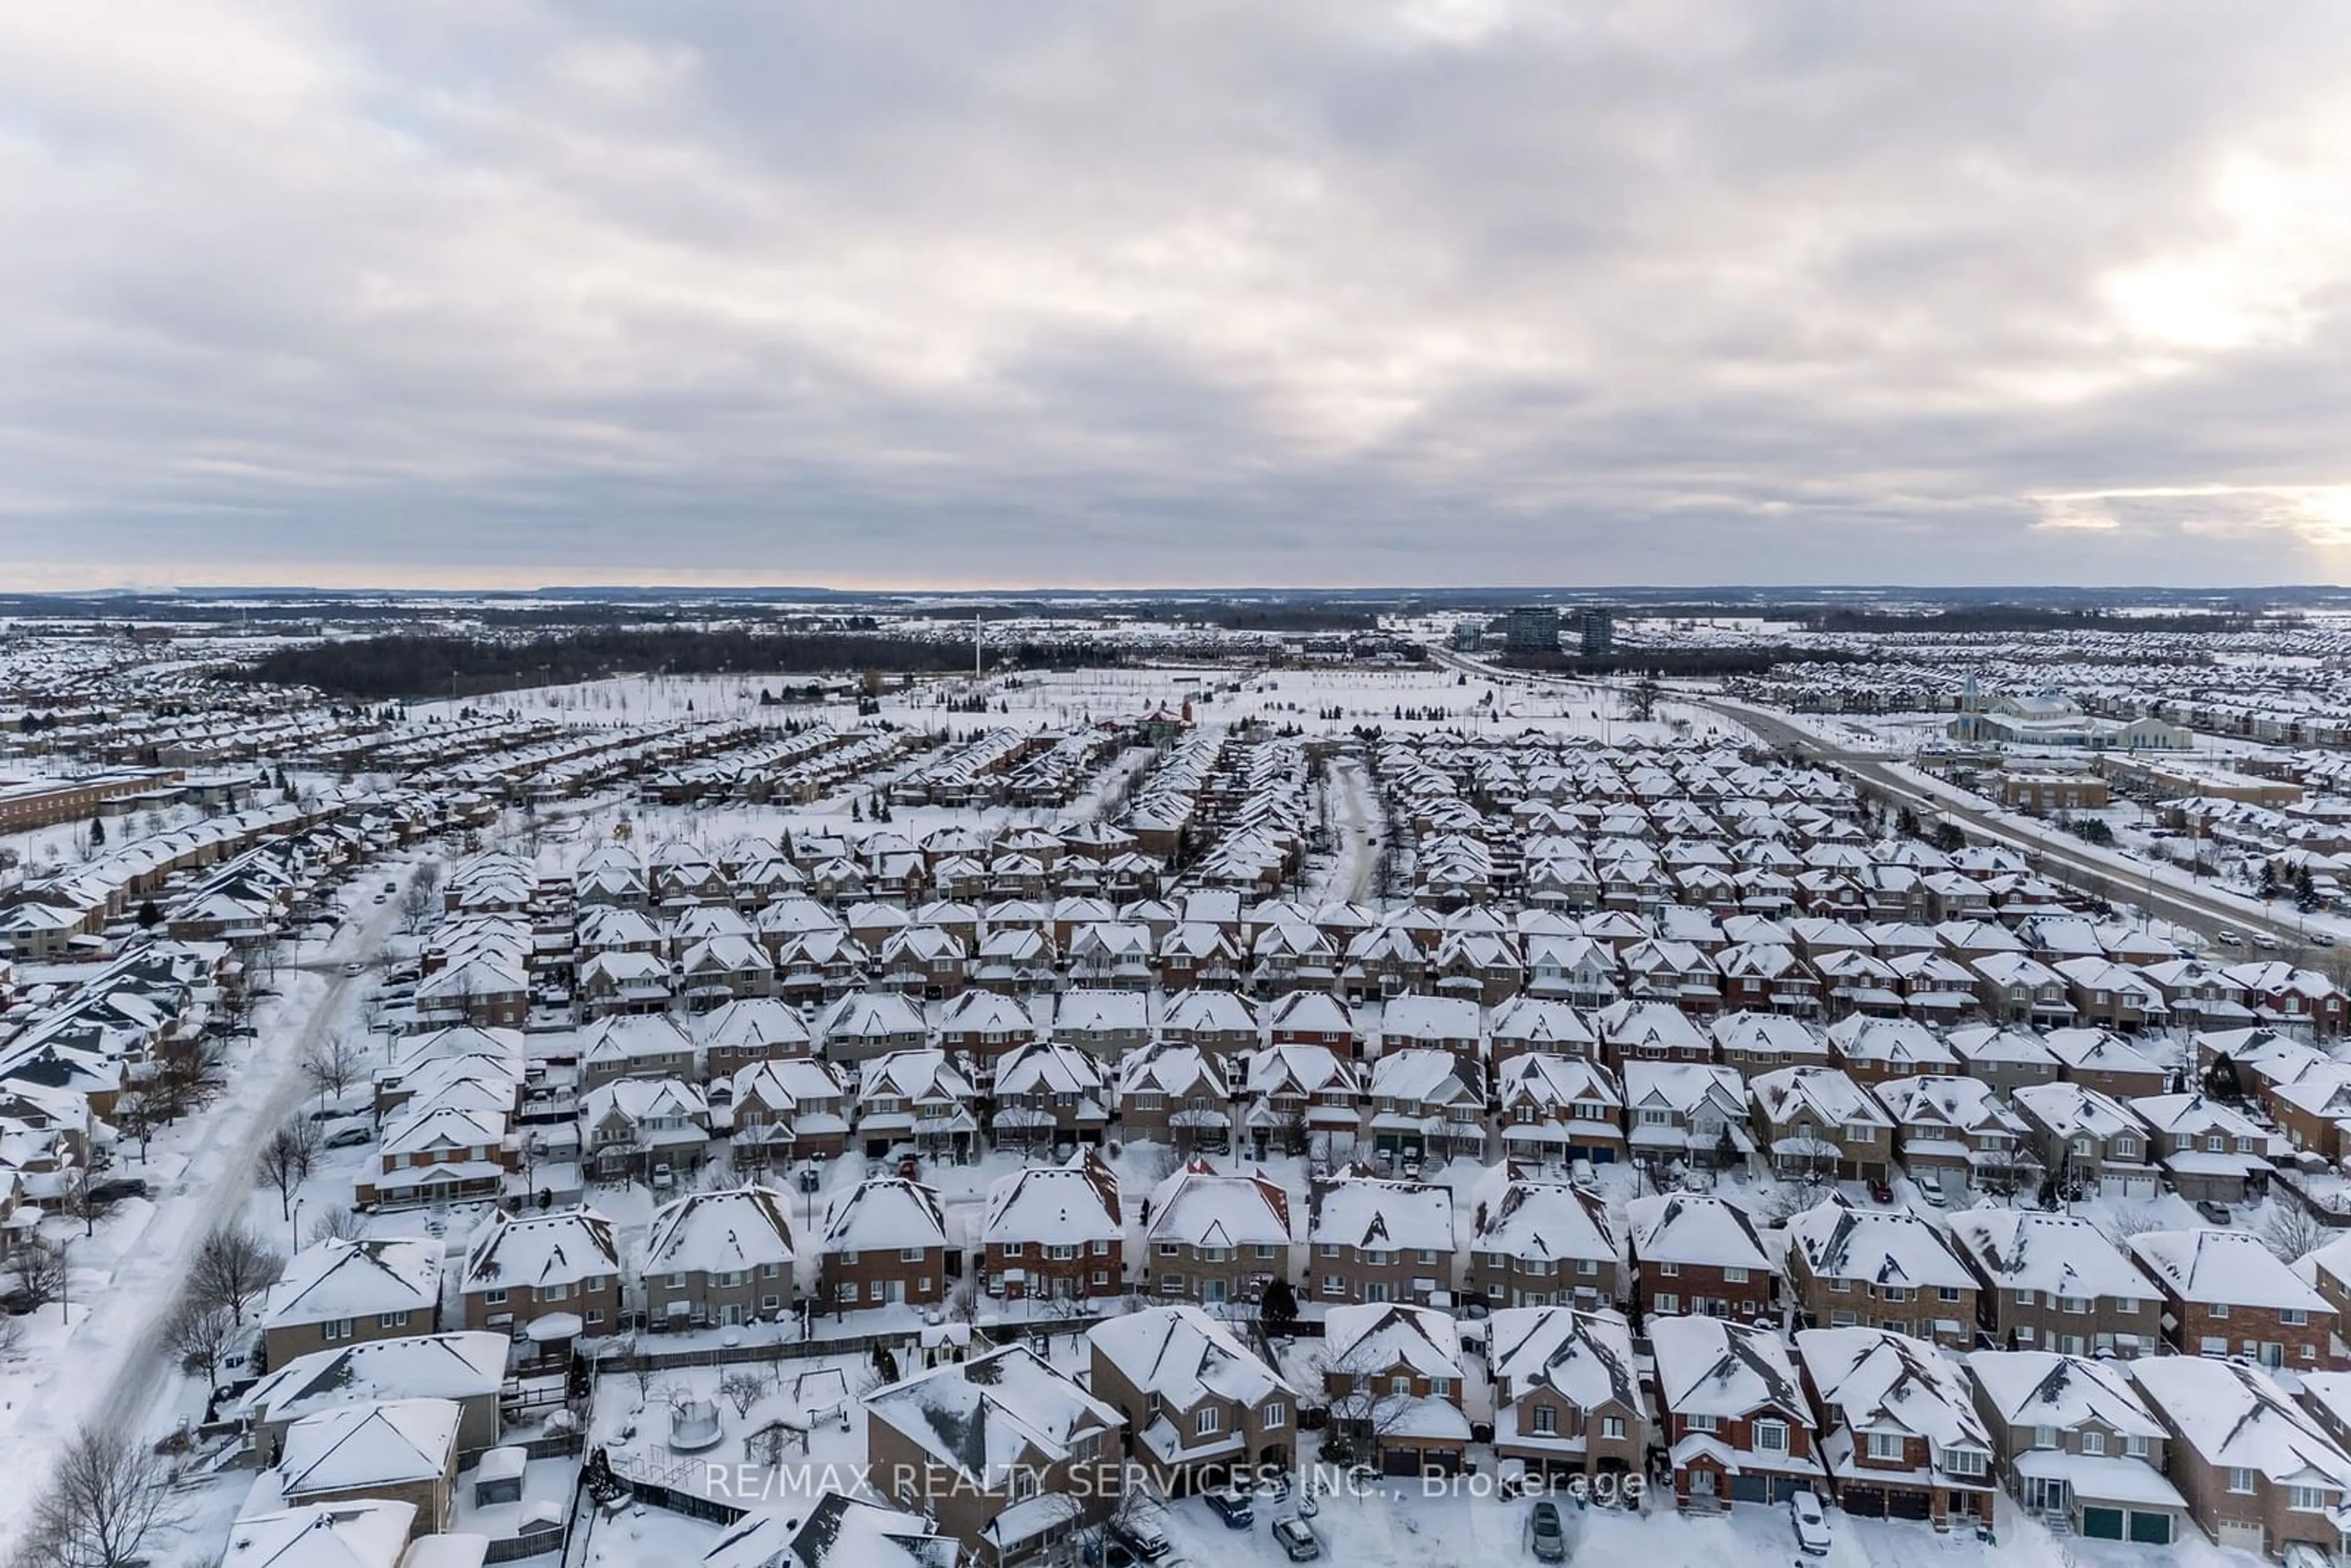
2218,1213
1233,1505
1146,1540
2319,938
354,967
1546,1534
348,1137
116,1191
2265,941
1932,1194
1297,1541
2228,938
1880,1190
1812,1525
664,1179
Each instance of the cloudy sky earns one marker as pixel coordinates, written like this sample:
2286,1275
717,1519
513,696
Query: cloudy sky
1174,292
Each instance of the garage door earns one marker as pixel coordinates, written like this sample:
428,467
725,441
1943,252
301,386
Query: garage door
1751,1489
2138,1186
1908,1504
1864,1502
2244,1535
2103,1524
2151,1528
1400,1461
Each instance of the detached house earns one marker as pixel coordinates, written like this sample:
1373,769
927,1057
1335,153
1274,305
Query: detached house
1215,1237
2088,1139
1375,1241
1567,1398
1055,1231
2258,1471
2052,1282
1554,1109
1954,1134
885,1243
1818,1122
719,1257
2210,1150
2224,1294
1737,1426
2077,1444
1392,1378
1879,1269
1198,1402
1902,1438
532,1268
337,1293
1700,1254
1688,1113
1540,1243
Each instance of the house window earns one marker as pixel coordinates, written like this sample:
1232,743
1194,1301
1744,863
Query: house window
2093,1443
1771,1436
2240,1478
1667,1301
494,1298
910,1254
2126,1148
1886,1446
1546,1421
1611,1425
2136,1446
2292,1317
2306,1499
1208,1422
392,1320
1024,1484
1963,1461
1700,1422
1400,1385
335,1328
1441,1388
1012,1249
1274,1417
1667,1271
2045,1436
1947,1292
2218,1308
1734,1276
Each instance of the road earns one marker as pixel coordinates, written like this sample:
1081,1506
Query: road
225,1163
2181,906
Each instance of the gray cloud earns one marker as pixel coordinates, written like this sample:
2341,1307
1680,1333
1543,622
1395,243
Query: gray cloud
1331,291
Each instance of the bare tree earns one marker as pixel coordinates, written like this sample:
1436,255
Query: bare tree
2122,1224
333,1063
201,1334
287,1159
421,897
335,1223
233,1267
743,1389
187,1075
109,1502
2291,1231
38,1269
1365,1406
137,1110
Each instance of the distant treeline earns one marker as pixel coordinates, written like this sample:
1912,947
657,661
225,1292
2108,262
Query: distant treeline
375,668
2001,617
1677,662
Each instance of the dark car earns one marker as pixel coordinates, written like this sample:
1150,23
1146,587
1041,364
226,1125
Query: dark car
118,1190
1546,1534
1145,1540
1297,1540
1234,1506
1881,1190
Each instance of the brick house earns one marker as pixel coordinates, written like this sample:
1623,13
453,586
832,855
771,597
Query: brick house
1540,1243
398,1451
1687,1114
792,1109
1300,1096
1198,1402
1737,1427
1216,1236
2076,1442
2052,1282
1815,1122
1954,1134
1700,1254
1567,1396
885,1242
522,1268
1901,1438
1171,1092
2210,1152
1885,1268
1008,1454
2001,1056
721,1257
1054,1231
2225,1295
2258,1471
1554,1109
1375,1241
337,1293
1760,1042
2102,1060
1875,1050
1394,1378
2087,1138
1049,1093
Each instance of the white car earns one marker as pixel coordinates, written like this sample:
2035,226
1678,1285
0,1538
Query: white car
1812,1524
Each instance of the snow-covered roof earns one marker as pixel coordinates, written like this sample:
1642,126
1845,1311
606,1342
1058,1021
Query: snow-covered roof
1696,1228
839,1532
1065,1205
561,1247
463,1366
1184,1355
2236,1418
1587,1356
363,1532
1367,1212
1711,1366
985,1418
353,1447
885,1214
2060,1254
2071,1110
335,1278
1377,1337
1873,1380
732,1229
1831,1097
2042,1388
1542,1221
1877,1246
1200,1206
2224,1266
